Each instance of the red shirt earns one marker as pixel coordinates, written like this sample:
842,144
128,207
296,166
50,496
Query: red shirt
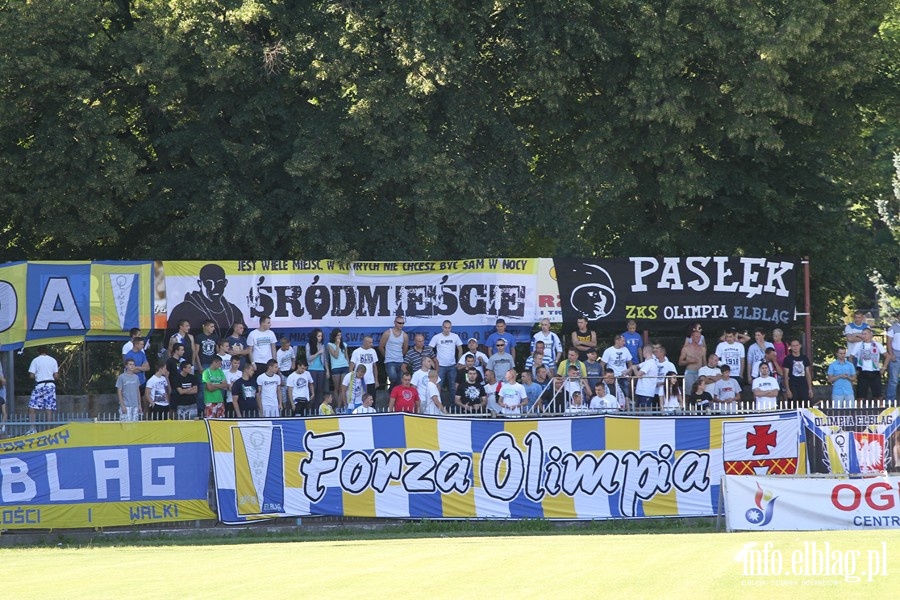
405,398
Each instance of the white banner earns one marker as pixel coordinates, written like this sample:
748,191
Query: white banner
811,504
305,294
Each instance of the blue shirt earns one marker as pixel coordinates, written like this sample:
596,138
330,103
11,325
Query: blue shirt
139,358
634,342
492,339
842,387
532,392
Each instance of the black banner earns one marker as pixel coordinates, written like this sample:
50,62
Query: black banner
678,291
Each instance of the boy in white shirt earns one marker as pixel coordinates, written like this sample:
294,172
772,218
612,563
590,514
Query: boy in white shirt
726,392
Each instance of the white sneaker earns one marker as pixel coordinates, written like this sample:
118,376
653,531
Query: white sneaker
31,432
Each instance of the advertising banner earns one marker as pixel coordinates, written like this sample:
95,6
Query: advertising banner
859,440
306,294
105,474
811,504
50,302
678,290
413,466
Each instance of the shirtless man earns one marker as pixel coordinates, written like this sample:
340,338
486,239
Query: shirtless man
693,356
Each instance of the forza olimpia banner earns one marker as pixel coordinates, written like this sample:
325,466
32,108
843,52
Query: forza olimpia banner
105,474
413,466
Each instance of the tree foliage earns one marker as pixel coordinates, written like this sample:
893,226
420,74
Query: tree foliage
407,130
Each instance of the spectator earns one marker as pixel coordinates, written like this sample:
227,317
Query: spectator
576,405
127,346
501,334
354,387
183,336
173,364
765,388
603,401
262,345
223,351
732,353
419,379
781,349
405,397
756,352
841,375
366,406
237,345
646,374
726,392
672,398
286,357
366,356
325,409
893,359
447,348
231,375
318,365
798,371
479,358
301,390
571,361
537,359
593,370
128,392
157,394
633,341
697,340
269,389
432,403
244,397
184,392
216,389
532,390
141,366
574,383
207,341
553,350
692,357
618,358
501,361
44,370
490,392
711,371
338,364
853,334
871,363
394,345
583,338
614,387
412,361
511,395
470,395
700,399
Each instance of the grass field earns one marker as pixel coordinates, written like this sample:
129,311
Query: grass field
697,565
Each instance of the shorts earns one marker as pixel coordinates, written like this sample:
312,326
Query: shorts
843,401
340,371
301,408
129,414
272,410
43,397
645,401
215,410
185,413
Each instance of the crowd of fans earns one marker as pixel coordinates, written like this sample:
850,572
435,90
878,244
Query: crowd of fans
260,374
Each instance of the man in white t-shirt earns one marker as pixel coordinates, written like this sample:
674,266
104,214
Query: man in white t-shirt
419,379
756,352
366,406
300,389
765,389
511,396
710,371
480,358
262,343
726,392
732,353
871,363
431,403
44,370
447,348
156,394
366,356
552,345
853,333
268,389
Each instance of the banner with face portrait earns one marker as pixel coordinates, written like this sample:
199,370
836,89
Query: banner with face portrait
324,293
676,291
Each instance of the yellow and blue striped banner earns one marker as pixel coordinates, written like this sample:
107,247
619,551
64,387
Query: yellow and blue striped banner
415,466
105,474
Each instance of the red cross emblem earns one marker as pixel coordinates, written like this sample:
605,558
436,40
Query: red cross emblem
761,438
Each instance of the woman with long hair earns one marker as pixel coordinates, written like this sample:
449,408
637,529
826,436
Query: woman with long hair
340,365
318,366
